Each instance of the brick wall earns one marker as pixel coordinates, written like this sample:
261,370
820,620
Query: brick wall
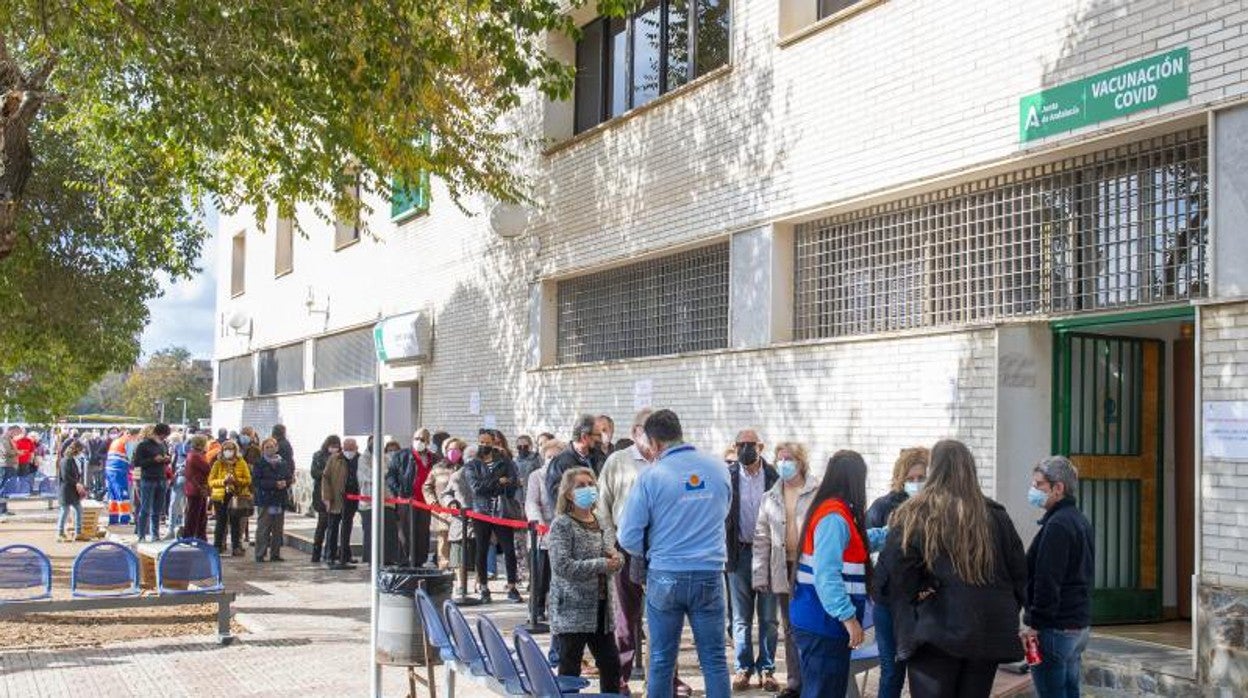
1224,485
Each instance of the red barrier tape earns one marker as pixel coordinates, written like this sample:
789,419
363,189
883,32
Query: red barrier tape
436,509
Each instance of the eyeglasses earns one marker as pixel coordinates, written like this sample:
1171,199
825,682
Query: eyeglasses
743,444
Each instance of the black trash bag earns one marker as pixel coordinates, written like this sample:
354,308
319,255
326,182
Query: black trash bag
406,580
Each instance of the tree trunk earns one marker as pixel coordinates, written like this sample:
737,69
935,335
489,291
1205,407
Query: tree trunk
20,102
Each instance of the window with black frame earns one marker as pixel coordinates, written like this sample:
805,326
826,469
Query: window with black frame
626,62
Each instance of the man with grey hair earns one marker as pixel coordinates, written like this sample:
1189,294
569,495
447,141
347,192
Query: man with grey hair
1059,579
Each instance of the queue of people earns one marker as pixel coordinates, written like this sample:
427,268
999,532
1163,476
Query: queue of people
647,534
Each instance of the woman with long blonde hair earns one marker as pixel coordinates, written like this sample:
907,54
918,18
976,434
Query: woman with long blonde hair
950,549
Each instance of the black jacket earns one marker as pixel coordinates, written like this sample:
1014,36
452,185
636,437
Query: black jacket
564,461
882,508
145,455
1059,570
70,477
733,522
264,477
402,469
968,622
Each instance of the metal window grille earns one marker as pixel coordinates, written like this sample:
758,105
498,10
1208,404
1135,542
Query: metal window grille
1121,227
281,369
345,359
235,377
670,305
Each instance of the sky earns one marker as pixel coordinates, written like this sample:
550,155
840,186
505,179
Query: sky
184,315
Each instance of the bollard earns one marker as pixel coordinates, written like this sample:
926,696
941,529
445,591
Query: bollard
535,583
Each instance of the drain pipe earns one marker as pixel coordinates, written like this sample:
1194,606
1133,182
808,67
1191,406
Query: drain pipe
1198,447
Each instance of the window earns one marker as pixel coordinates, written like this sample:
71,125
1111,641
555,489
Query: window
281,369
348,231
827,8
623,64
235,377
669,305
238,264
1118,228
408,201
345,359
284,258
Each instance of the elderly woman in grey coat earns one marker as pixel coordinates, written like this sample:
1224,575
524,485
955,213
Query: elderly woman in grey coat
582,560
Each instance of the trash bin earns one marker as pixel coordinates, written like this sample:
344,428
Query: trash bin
400,635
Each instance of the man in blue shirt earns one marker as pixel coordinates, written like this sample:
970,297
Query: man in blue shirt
674,518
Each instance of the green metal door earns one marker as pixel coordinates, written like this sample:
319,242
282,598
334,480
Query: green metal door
1108,421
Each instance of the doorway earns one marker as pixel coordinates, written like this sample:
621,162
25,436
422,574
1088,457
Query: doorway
1123,413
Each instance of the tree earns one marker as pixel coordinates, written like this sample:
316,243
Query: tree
105,397
118,118
168,375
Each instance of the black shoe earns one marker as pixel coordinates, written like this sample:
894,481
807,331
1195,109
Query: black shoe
259,559
278,558
316,559
238,552
338,566
789,693
513,595
485,596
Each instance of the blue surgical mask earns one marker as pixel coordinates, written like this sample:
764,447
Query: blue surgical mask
1037,497
244,440
585,497
913,488
787,469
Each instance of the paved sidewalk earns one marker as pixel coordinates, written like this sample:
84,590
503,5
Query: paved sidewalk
307,636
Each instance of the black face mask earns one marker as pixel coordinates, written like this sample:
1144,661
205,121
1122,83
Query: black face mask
747,454
484,452
524,451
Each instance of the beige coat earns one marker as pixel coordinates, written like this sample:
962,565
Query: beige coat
434,487
770,568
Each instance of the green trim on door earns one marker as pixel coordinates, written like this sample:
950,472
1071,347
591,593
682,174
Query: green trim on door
1104,400
1142,317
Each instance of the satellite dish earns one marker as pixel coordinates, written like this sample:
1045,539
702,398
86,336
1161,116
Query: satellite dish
509,220
238,320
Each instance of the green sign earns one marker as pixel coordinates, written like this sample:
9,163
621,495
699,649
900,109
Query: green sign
1143,84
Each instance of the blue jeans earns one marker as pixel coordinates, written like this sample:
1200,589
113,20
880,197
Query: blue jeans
151,498
825,664
60,519
6,473
177,495
670,597
892,671
1061,655
744,603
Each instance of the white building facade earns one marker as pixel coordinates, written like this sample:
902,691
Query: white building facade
842,223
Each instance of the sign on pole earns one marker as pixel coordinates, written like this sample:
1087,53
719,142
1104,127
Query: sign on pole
1143,84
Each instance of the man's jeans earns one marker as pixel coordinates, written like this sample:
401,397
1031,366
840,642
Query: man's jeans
151,496
745,601
670,598
892,671
6,473
1061,654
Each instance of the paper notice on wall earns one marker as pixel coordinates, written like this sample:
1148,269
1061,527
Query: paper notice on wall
1225,426
490,422
474,402
643,394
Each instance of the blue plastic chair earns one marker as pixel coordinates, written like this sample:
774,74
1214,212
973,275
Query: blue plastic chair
17,488
189,561
865,658
22,568
435,628
467,651
542,681
503,664
50,488
105,569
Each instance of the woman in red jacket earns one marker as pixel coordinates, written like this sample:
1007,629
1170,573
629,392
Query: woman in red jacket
196,489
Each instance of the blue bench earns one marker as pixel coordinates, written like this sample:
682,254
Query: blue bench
105,577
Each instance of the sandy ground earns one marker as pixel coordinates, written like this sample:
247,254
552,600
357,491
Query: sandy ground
35,526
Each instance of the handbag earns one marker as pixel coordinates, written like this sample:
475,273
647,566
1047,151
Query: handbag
243,505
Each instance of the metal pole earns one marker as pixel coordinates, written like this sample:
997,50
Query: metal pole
464,599
379,533
183,412
536,574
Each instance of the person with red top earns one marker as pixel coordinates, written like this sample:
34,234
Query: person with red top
25,446
405,476
196,489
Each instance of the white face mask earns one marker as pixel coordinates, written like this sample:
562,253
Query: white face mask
913,488
350,453
419,446
228,453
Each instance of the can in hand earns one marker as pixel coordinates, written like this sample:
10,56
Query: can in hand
1032,648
